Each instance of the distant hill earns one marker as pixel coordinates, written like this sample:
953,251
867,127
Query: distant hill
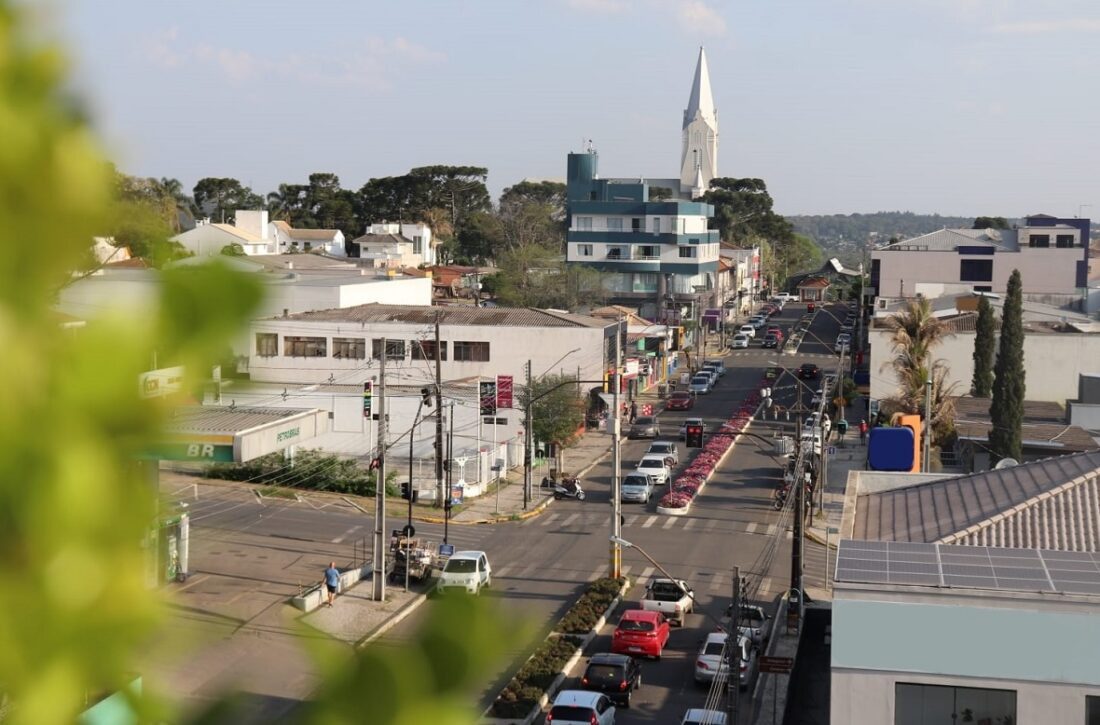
845,236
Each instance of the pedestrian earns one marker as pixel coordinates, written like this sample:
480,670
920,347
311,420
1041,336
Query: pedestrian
863,432
633,411
332,581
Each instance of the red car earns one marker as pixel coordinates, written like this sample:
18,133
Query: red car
680,400
773,330
641,633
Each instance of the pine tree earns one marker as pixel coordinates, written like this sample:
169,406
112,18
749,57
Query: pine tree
984,343
1007,410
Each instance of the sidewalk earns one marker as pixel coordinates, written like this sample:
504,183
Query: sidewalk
825,529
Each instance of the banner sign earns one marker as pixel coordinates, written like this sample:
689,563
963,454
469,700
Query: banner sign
504,391
488,394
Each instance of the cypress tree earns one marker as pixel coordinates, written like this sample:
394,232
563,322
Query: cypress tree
984,342
1007,409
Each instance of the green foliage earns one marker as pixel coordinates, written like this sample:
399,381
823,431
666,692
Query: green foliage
533,275
547,193
233,250
312,469
535,677
222,197
582,616
984,343
558,409
990,222
1009,388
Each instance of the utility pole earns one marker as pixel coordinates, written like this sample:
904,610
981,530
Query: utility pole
378,565
928,422
615,568
439,492
528,440
733,648
450,470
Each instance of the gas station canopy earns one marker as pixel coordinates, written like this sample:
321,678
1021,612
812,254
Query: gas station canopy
235,435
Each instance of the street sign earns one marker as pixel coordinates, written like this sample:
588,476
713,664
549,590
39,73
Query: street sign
777,665
446,549
488,397
504,391
832,450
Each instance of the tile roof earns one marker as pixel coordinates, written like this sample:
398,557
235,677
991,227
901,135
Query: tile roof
814,282
1052,503
456,315
309,235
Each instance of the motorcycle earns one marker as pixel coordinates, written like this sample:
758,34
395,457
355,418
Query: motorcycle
569,488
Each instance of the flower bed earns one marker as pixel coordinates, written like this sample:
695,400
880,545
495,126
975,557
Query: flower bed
525,690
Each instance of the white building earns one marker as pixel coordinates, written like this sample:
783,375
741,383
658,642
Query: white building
1051,254
699,152
291,239
392,245
249,230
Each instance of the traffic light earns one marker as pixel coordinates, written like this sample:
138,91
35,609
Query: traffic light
426,396
368,394
694,435
405,491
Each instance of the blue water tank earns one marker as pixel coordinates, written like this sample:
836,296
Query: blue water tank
890,449
582,168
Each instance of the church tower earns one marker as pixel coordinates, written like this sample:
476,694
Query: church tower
699,159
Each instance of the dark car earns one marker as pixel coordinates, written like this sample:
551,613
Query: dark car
645,427
809,371
680,400
616,676
770,340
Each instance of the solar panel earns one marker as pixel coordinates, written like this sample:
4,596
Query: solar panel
969,567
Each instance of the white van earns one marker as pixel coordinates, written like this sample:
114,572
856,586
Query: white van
466,570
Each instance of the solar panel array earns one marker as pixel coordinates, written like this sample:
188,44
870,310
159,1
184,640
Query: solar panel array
969,567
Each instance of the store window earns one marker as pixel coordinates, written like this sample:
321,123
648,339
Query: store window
471,351
395,349
305,346
267,344
425,350
936,704
349,348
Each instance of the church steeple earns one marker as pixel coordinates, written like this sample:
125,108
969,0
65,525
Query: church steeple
699,157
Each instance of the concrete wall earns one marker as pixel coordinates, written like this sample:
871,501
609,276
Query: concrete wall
206,240
1042,271
1053,362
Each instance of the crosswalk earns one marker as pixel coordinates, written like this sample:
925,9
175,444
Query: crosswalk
807,355
559,520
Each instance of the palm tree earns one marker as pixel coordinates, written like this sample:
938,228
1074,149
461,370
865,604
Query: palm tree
185,209
915,333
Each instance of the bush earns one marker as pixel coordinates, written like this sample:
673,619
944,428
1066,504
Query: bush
582,616
536,675
311,469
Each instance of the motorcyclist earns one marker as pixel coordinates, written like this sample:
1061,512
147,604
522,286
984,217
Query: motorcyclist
569,483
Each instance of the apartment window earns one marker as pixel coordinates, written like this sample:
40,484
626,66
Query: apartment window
1064,241
614,224
976,270
616,253
584,250
1038,241
349,348
687,252
418,244
584,223
936,704
1092,710
305,346
471,351
425,350
646,282
267,344
636,224
656,225
649,252
395,349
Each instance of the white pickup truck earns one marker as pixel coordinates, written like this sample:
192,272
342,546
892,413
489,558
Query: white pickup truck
674,599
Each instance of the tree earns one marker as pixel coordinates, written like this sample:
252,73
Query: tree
990,222
220,197
549,193
288,203
1007,408
915,333
984,343
141,217
559,413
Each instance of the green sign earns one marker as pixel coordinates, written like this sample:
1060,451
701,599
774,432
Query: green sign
192,452
288,434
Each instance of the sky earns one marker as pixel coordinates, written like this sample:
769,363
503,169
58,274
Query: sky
959,107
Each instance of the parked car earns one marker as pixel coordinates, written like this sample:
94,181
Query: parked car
809,371
754,623
700,384
665,448
581,707
467,571
748,331
789,296
690,421
656,466
758,321
718,365
770,340
645,426
710,663
641,633
848,327
823,423
740,340
636,486
843,341
700,716
680,400
616,676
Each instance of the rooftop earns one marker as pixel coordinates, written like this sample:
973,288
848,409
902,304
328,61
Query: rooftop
229,420
457,315
1043,426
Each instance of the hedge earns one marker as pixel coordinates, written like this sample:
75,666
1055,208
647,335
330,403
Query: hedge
524,690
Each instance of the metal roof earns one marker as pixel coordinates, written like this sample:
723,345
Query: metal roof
947,240
968,567
1053,503
456,315
212,419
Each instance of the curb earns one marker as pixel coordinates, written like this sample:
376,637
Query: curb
817,539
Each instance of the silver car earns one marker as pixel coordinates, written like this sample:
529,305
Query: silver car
700,384
636,486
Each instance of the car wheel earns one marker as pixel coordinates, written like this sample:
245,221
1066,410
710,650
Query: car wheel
638,682
657,657
626,701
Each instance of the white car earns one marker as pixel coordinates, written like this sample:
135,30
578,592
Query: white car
654,464
636,486
466,570
741,340
581,707
747,330
699,716
758,321
709,663
843,341
790,297
665,448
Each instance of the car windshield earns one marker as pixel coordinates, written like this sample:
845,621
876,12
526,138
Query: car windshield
635,481
661,448
568,713
643,421
633,625
700,378
681,395
752,617
651,463
713,648
461,566
604,673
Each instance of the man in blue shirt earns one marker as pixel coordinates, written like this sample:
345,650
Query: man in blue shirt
332,581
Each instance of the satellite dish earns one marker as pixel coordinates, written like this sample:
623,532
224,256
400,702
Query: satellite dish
1006,463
